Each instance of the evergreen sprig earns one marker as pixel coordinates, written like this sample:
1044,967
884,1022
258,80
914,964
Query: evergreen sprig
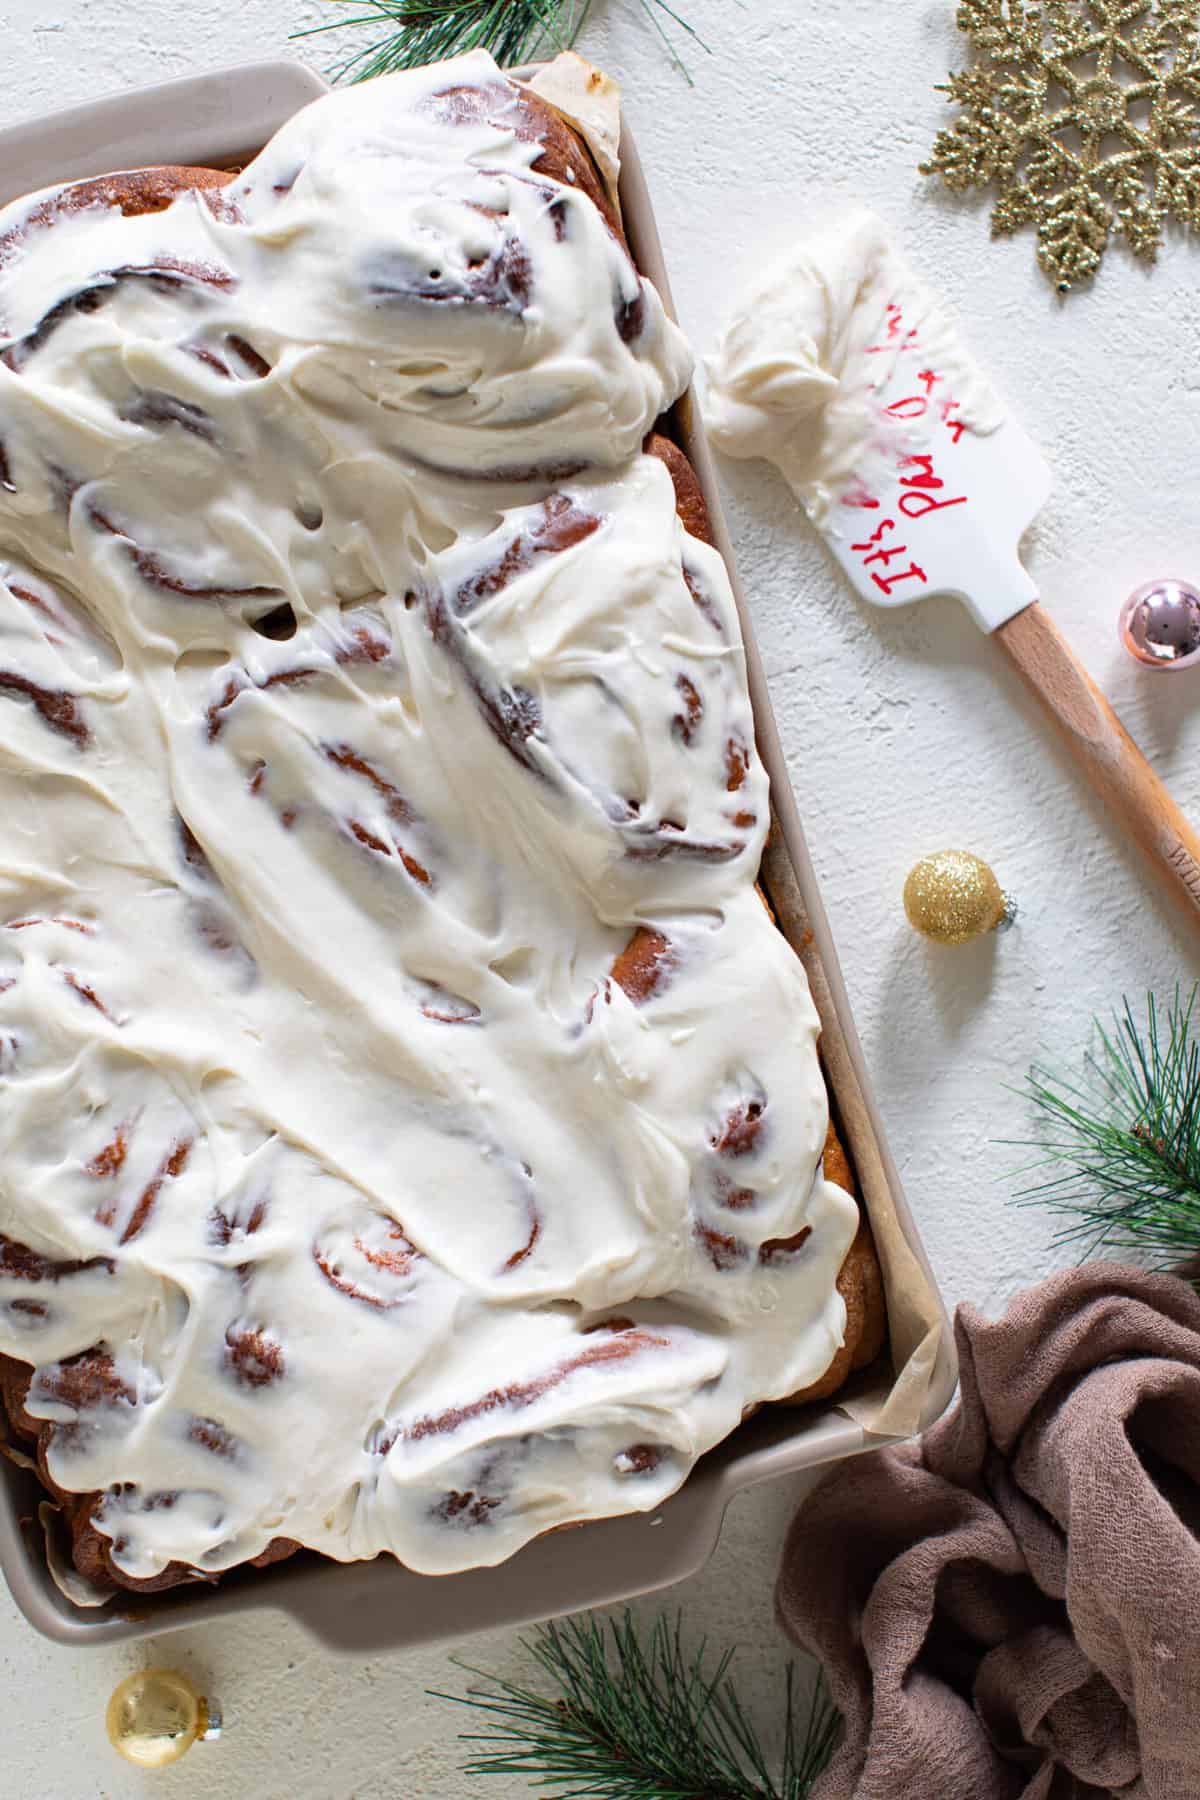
1124,1137
515,31
634,1720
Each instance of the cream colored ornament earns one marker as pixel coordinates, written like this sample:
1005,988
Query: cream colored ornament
952,897
155,1716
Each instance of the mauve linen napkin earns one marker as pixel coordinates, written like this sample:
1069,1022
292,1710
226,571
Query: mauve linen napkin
1010,1608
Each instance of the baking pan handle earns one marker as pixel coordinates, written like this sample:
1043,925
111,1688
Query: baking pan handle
212,120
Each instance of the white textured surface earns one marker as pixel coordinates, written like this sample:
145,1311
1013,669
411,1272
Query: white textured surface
905,732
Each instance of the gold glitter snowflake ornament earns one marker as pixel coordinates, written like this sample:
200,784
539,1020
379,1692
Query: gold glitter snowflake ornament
1085,114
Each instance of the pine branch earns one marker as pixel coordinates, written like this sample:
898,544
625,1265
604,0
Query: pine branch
634,1721
515,31
1124,1138
424,31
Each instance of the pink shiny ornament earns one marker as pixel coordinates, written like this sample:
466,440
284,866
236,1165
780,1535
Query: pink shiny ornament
1160,625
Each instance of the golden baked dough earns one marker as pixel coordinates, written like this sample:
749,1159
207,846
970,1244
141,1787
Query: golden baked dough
861,1286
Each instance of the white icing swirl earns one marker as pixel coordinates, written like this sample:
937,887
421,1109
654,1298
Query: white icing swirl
386,1209
796,376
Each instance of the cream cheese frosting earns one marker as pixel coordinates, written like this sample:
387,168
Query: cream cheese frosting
809,349
362,699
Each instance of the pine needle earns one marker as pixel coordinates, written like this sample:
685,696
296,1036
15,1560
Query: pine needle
634,1721
1124,1137
515,31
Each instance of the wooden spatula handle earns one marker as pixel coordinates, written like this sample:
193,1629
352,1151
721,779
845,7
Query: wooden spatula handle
1109,757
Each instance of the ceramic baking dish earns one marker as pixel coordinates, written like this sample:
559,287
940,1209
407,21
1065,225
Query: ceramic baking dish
222,119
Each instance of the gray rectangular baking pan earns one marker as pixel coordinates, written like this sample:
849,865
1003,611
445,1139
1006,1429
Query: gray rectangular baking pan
222,119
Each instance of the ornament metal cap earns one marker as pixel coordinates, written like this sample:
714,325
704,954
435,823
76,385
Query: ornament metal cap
953,897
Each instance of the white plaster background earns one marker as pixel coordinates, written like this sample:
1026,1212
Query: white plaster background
905,732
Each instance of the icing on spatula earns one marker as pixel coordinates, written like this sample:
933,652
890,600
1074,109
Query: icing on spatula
841,367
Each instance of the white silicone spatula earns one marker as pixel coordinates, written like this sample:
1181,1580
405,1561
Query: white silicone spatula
942,511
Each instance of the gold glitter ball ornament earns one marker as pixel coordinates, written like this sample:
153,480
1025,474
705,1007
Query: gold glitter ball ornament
952,897
155,1716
